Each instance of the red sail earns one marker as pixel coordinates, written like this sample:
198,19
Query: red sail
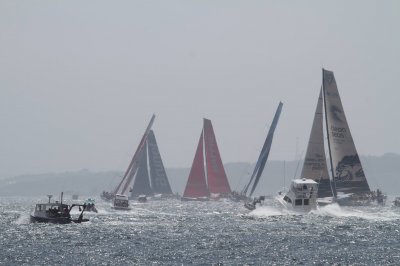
196,186
216,176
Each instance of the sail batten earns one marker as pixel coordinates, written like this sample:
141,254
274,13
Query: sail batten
347,171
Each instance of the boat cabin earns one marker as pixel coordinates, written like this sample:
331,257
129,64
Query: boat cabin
302,195
52,210
121,202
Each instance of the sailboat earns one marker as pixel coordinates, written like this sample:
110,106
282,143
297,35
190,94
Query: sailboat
347,184
154,182
260,165
207,178
120,193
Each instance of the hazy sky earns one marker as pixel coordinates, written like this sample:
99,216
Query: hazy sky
79,80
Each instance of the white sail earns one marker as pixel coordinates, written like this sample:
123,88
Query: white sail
315,166
347,170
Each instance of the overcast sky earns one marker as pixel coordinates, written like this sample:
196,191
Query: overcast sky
79,80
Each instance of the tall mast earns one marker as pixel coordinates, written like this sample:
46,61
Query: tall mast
333,185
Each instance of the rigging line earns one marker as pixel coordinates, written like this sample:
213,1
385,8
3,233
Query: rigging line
284,174
242,175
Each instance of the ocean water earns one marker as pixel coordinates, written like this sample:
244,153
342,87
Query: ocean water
171,232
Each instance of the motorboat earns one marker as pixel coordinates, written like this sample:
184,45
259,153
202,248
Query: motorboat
121,202
90,205
56,212
107,196
302,195
251,205
142,198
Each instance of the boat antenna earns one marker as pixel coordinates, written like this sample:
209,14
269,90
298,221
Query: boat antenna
298,163
284,174
49,196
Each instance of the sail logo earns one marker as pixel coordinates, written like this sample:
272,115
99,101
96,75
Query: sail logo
349,169
336,113
338,132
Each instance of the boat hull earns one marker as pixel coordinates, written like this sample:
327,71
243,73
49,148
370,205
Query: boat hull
58,220
291,207
121,208
194,199
250,206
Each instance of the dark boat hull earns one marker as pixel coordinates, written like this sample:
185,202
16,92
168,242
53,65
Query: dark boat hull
120,208
250,206
58,220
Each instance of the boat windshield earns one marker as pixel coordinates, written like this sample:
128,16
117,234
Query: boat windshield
119,202
47,207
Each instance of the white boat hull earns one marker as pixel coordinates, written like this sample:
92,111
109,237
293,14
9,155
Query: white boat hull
301,197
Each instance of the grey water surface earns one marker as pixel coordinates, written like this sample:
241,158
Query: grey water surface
171,232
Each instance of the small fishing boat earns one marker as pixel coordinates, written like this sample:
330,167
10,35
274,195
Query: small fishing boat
56,212
301,197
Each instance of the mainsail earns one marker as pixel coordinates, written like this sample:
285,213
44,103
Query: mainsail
315,166
196,186
159,179
347,170
141,185
216,176
123,186
263,157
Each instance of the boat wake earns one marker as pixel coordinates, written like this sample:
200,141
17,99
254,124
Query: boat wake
331,210
23,218
334,210
268,211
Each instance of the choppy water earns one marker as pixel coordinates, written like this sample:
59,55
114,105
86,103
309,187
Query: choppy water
172,232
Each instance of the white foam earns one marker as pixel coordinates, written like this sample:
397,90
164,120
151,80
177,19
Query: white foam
334,210
267,211
23,219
